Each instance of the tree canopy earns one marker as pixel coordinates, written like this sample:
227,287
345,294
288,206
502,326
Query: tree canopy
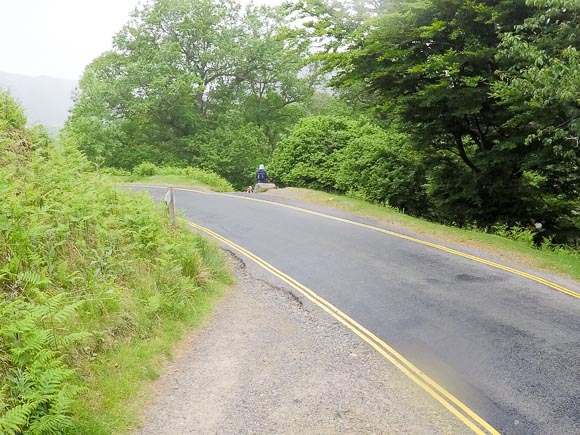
487,90
462,111
202,82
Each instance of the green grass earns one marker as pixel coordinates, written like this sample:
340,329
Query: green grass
553,259
119,382
170,180
96,287
148,173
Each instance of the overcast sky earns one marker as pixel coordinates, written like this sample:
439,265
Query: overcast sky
59,38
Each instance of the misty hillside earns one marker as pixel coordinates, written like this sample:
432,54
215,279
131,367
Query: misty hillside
46,100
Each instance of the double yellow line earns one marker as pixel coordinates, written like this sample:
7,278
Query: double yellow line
535,278
444,397
521,273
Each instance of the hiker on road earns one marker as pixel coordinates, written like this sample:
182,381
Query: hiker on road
262,175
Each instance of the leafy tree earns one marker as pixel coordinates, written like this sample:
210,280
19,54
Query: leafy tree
137,101
100,131
429,66
234,150
274,79
188,80
539,86
310,155
11,114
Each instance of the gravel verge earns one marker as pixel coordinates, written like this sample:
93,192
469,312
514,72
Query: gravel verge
265,363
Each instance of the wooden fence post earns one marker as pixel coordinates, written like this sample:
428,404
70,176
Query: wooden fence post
171,205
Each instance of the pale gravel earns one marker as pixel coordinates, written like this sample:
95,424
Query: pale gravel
266,364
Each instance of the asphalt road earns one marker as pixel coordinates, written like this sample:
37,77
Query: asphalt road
506,346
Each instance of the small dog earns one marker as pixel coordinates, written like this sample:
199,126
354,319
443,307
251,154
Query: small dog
249,189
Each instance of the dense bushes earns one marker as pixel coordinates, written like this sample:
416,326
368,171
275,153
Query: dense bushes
310,155
488,91
380,166
145,169
83,267
354,157
192,175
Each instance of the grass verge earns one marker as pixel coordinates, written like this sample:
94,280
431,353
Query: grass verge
148,173
119,381
169,180
556,259
95,287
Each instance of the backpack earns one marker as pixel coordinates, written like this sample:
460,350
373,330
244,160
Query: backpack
261,176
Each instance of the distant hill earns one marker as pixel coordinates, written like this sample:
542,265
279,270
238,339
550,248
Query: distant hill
45,100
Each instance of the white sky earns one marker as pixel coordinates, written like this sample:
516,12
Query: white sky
58,38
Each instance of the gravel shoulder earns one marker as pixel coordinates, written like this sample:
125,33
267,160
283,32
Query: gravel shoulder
265,363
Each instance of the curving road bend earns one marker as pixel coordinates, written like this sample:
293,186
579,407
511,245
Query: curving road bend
506,346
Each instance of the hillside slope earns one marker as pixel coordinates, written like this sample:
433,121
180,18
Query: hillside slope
46,100
85,270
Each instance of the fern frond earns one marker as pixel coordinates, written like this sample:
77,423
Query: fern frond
66,312
14,421
50,424
73,338
32,279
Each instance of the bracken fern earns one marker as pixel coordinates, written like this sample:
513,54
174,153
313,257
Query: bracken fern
84,268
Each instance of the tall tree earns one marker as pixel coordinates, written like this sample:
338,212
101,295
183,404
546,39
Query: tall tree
147,95
540,87
430,64
272,78
181,74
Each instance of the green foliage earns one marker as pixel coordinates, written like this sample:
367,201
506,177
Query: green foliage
83,268
432,64
381,166
198,83
115,171
539,86
524,235
235,153
11,114
310,155
145,169
39,388
359,158
487,90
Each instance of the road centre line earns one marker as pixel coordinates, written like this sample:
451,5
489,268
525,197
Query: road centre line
538,279
445,398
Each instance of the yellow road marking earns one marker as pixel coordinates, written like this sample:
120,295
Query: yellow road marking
400,236
444,397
